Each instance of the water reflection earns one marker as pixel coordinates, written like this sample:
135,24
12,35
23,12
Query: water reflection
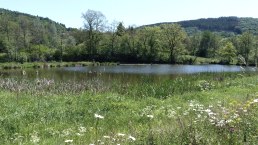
124,73
157,69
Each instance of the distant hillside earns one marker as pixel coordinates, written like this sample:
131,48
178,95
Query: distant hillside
28,38
14,15
223,24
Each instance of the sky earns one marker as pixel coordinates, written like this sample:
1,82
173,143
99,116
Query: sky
133,12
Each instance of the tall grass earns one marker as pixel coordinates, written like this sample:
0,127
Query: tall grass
200,109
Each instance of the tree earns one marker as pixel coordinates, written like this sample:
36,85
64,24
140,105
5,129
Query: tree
94,23
131,40
120,29
174,35
24,25
37,36
53,36
227,53
205,44
193,46
149,39
246,43
17,39
255,52
113,37
4,25
209,44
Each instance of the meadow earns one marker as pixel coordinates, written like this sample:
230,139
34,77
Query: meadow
204,108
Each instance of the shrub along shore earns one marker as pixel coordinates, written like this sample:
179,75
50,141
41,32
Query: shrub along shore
219,108
14,65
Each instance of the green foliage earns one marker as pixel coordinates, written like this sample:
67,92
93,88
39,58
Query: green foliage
29,38
194,109
227,53
208,45
223,25
246,43
120,29
173,35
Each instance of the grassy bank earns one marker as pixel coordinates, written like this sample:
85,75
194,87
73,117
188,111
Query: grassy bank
14,65
199,109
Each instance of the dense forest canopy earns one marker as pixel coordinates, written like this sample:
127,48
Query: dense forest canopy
27,38
223,24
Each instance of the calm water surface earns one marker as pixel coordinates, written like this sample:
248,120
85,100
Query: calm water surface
122,72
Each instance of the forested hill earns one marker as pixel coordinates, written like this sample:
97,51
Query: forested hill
27,38
24,37
15,17
223,24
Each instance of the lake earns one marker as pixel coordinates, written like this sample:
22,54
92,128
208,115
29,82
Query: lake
123,72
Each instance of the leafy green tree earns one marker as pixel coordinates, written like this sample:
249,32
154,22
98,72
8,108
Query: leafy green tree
205,44
79,35
113,35
149,39
174,35
193,45
53,36
37,37
4,46
24,25
17,43
120,29
94,23
209,44
246,43
4,25
129,45
227,53
256,52
214,45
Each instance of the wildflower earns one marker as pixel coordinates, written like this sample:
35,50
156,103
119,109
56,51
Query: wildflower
120,134
98,116
235,116
191,104
208,110
35,138
78,134
150,116
132,138
228,121
82,129
106,136
68,141
171,113
221,123
67,132
38,82
255,101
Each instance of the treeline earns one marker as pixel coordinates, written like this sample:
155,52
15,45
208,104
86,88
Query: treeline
26,38
222,25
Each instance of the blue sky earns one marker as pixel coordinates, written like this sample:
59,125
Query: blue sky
133,12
